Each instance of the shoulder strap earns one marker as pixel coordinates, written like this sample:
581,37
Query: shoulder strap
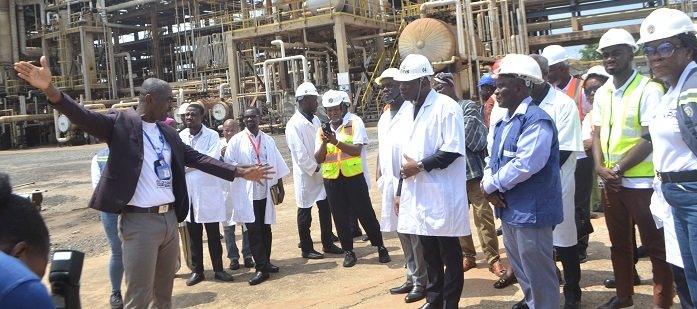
686,112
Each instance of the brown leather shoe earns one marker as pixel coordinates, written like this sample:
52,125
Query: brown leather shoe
468,264
497,269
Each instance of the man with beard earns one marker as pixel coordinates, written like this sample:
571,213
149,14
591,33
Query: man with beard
433,202
301,131
622,110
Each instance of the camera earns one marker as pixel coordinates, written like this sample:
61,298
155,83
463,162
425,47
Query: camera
66,270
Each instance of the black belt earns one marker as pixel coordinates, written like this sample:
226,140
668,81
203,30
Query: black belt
160,209
684,176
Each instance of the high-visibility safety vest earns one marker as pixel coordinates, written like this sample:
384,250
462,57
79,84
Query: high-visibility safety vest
621,126
574,92
338,161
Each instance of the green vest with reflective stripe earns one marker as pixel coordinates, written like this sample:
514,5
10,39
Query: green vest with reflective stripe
621,126
338,161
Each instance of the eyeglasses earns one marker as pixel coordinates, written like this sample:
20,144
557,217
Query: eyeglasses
664,50
590,90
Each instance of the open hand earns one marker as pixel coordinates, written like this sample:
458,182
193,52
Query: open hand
255,173
39,77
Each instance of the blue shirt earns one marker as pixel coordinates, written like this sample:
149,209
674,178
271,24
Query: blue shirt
20,287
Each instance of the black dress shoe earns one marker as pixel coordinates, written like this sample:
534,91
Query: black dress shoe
234,265
499,231
271,268
615,303
520,305
611,284
415,295
312,255
116,301
248,262
402,289
505,281
333,249
195,278
223,276
349,259
384,257
430,306
259,277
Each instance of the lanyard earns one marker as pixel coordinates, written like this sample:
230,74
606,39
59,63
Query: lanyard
257,147
162,140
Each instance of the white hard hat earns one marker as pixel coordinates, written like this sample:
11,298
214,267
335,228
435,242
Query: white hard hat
616,36
554,54
389,73
345,97
414,66
306,88
520,66
332,98
595,70
664,23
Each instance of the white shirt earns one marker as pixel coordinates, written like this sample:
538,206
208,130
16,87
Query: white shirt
391,130
307,178
205,191
435,203
534,145
151,191
650,99
670,153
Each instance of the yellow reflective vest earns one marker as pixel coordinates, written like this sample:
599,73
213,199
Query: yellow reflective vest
621,126
337,161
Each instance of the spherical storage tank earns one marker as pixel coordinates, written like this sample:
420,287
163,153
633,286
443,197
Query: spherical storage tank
429,37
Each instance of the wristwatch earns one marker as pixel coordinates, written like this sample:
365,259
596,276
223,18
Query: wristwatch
617,170
420,166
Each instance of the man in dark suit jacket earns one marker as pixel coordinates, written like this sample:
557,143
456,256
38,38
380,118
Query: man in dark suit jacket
143,180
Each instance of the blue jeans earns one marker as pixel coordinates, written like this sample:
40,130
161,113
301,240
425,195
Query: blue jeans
232,251
110,222
683,199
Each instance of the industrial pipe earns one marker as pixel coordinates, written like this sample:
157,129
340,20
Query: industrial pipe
452,60
458,21
125,104
221,89
267,89
13,31
280,44
130,70
126,5
18,118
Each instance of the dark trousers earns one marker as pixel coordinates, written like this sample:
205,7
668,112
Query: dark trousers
351,193
681,288
444,287
582,198
325,225
568,256
621,209
215,249
260,236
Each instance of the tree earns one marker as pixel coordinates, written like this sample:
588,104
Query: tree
589,52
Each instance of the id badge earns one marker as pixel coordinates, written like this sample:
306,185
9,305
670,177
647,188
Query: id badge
162,170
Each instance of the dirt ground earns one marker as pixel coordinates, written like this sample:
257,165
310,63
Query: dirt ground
65,173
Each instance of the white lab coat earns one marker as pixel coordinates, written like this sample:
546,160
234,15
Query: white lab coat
390,131
564,112
205,191
663,217
435,203
240,152
308,184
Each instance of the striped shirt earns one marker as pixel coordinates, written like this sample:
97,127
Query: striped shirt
475,139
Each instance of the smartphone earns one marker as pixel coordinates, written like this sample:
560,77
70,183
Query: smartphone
326,128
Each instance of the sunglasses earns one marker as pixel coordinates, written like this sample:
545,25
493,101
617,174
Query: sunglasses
591,90
664,50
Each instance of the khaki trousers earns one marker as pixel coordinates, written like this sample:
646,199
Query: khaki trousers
150,245
484,221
